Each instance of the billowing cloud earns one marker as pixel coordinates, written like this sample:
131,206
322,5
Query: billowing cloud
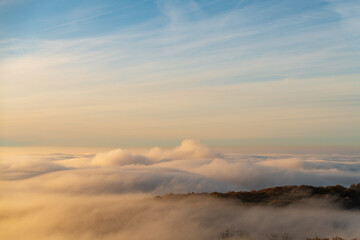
125,180
188,150
118,157
191,166
110,195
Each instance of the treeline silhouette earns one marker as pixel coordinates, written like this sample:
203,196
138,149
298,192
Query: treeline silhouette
232,234
348,198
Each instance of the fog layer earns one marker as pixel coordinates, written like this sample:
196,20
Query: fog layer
110,195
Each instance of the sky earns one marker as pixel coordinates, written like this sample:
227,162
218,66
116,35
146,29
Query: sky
151,73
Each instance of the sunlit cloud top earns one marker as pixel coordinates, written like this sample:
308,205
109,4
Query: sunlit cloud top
140,73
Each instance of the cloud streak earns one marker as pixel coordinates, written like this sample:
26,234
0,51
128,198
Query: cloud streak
244,77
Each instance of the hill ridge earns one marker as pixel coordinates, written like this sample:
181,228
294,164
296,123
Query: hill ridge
348,198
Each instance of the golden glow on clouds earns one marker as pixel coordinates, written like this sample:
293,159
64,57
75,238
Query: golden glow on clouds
109,195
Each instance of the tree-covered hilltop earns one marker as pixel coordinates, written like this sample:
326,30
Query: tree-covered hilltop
348,198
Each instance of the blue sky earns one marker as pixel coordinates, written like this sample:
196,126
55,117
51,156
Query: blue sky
143,72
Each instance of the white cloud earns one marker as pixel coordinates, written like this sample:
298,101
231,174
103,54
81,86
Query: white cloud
191,166
188,150
118,157
108,195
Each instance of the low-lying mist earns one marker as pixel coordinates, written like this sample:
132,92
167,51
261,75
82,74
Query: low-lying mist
64,216
111,195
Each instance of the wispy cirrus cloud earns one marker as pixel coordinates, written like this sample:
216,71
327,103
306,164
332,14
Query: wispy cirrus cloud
230,69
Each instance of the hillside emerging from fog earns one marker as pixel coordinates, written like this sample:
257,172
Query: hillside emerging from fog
347,198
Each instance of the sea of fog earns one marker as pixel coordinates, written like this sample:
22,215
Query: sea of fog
111,195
